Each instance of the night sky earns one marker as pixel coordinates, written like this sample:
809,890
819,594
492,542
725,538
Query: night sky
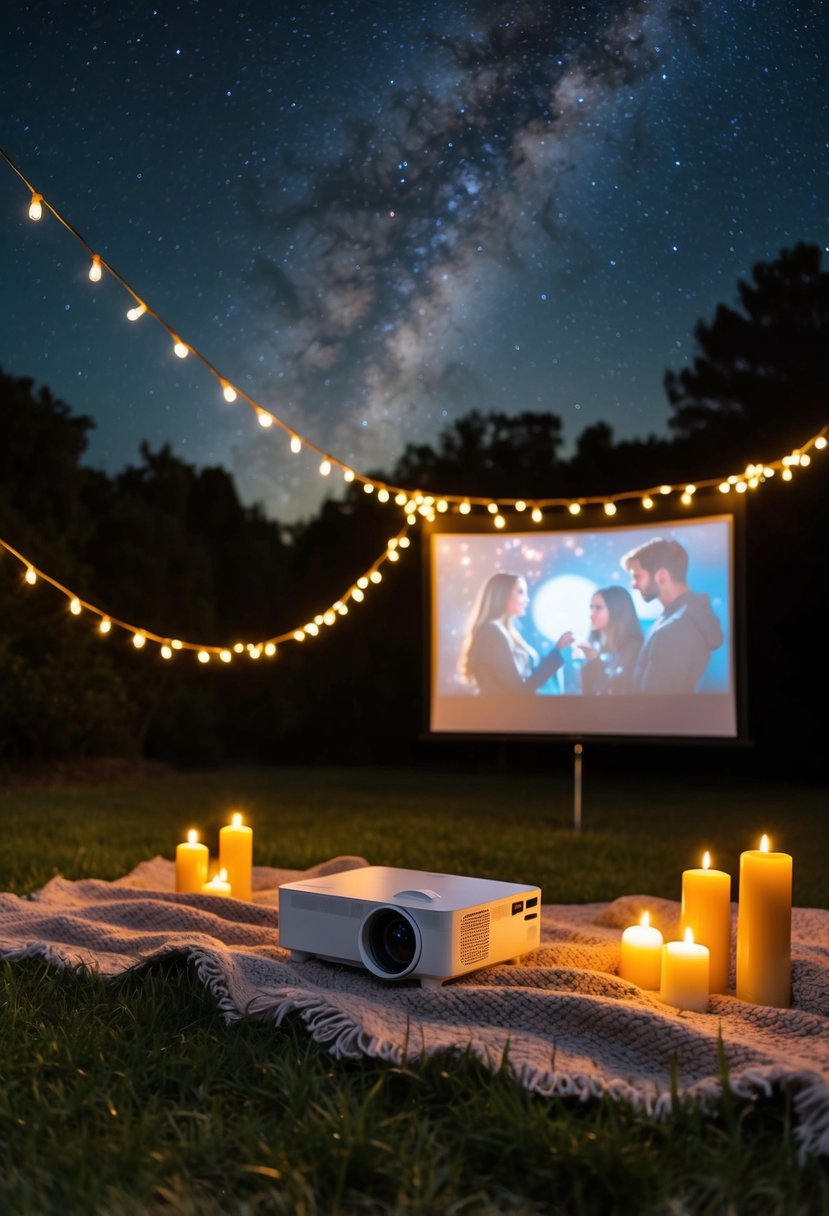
375,217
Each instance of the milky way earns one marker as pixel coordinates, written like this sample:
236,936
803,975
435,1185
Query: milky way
373,219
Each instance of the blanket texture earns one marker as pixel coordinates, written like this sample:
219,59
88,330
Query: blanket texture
561,1020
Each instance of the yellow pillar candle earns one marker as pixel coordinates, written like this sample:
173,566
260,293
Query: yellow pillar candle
218,885
641,960
236,856
764,927
685,970
706,911
191,864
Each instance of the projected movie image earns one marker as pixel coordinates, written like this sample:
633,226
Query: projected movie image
611,631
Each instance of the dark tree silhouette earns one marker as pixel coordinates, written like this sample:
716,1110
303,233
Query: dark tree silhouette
762,371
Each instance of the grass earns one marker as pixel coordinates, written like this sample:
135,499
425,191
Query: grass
132,1096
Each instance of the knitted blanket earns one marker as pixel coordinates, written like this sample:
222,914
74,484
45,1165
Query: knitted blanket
561,1020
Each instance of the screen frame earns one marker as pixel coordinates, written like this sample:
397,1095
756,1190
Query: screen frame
628,515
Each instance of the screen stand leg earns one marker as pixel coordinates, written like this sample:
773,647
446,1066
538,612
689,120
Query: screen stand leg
577,753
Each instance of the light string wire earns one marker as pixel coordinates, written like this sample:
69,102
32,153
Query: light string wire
415,502
266,647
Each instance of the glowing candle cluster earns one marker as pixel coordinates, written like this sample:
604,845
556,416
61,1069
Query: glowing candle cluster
235,873
686,972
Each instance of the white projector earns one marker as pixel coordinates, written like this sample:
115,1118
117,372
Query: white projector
396,923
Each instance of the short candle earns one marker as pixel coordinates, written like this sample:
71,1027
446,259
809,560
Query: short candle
218,885
764,927
191,864
706,911
641,958
685,970
236,856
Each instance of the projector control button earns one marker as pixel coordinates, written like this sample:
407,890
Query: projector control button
423,894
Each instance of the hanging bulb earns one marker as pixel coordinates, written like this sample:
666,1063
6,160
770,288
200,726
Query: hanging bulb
203,656
35,208
296,444
181,349
105,625
138,640
536,515
265,420
31,576
138,311
228,391
325,468
574,508
75,606
610,508
95,270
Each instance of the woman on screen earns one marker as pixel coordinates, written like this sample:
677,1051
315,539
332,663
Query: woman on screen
495,658
613,644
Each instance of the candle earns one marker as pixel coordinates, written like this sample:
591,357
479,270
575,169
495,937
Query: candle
641,960
191,864
218,885
706,911
685,972
764,927
236,856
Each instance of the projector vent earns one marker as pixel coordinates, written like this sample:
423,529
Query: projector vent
474,943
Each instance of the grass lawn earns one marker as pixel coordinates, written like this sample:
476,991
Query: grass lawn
133,1096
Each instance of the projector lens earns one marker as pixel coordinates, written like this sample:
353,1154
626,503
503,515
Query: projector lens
389,942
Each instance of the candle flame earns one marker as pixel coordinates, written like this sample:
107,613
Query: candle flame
192,836
237,819
645,919
689,937
764,844
706,860
223,875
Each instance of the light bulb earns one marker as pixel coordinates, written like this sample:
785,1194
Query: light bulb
296,444
325,468
265,420
610,508
138,311
574,508
647,502
536,515
95,270
138,640
203,656
75,606
180,348
105,625
35,208
464,508
31,576
228,391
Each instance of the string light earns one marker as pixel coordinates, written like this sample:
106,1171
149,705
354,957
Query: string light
168,647
751,479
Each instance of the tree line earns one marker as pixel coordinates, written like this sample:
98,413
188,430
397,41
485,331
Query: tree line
170,546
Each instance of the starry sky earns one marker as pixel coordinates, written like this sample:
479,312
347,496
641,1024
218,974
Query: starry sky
373,218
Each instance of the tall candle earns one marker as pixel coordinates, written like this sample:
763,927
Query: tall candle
236,856
218,885
685,972
641,958
764,927
191,864
706,911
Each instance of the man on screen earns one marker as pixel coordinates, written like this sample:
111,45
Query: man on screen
677,649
